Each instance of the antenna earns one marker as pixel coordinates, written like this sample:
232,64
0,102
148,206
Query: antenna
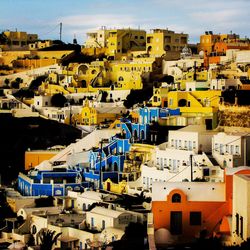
60,31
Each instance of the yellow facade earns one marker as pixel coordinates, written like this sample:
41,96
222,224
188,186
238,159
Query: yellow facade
193,100
52,54
159,94
160,41
8,57
118,188
116,41
19,38
33,63
99,75
40,45
87,116
121,41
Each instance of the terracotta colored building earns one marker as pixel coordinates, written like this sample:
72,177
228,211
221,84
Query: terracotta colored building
187,208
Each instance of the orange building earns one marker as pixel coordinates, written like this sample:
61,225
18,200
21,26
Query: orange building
187,208
35,157
220,48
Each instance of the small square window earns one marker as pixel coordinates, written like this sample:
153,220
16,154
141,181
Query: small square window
195,218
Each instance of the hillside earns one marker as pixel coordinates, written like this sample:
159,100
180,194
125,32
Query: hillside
19,134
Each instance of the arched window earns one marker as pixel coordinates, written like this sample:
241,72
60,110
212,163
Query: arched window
120,79
176,198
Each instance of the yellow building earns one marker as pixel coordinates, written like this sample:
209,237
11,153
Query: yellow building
196,107
90,115
116,41
87,116
198,77
194,99
161,40
159,95
118,188
20,38
121,41
104,75
40,45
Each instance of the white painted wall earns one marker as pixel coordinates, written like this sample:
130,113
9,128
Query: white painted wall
241,201
195,191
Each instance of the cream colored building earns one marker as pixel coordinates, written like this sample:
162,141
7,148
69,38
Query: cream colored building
100,218
231,149
240,229
97,39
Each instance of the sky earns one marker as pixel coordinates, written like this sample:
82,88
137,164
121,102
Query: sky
78,17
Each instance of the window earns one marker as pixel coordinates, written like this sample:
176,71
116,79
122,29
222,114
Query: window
237,224
241,227
195,218
34,230
176,198
232,149
237,149
170,101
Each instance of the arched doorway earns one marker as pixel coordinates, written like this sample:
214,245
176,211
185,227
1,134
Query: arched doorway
135,135
182,103
142,135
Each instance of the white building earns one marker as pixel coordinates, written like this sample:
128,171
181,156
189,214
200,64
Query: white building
42,101
240,229
195,191
193,138
84,200
100,218
223,84
231,150
97,39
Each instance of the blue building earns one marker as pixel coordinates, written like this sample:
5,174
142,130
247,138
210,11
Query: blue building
104,162
148,115
50,183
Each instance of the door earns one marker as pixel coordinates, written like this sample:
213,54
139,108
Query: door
108,186
176,222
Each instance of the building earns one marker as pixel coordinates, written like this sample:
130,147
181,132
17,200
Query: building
97,39
116,41
196,107
191,207
33,158
231,149
100,218
209,39
241,214
161,41
20,38
40,45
